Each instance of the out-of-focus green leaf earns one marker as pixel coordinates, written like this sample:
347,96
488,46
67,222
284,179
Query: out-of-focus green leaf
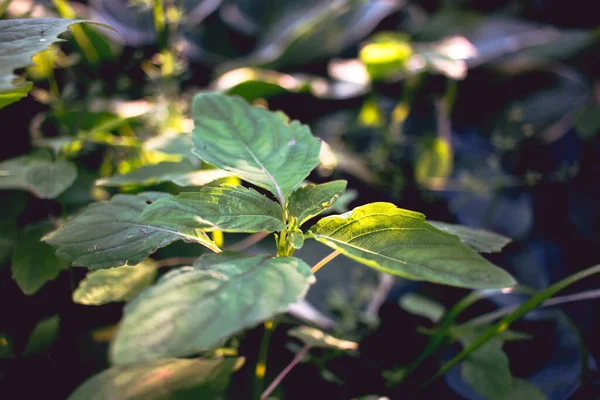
114,284
43,336
587,121
21,39
15,95
316,338
166,379
44,178
193,309
480,240
386,54
259,146
110,234
311,200
5,345
401,242
420,305
225,208
486,369
434,162
34,263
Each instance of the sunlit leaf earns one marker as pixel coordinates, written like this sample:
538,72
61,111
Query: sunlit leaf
15,95
110,234
316,338
400,242
44,178
386,54
480,240
420,305
192,309
43,336
34,263
257,145
166,379
114,284
311,200
225,208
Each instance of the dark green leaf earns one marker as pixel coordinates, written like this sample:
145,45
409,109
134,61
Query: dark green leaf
43,336
167,379
587,121
257,145
110,234
310,200
34,263
115,284
401,243
192,309
523,390
480,240
225,208
486,369
315,338
44,178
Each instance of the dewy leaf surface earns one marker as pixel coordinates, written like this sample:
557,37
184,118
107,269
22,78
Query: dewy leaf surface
167,379
192,309
44,178
259,146
311,200
225,208
401,243
480,240
110,234
21,39
114,284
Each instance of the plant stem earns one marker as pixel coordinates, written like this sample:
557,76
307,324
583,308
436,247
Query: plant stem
249,241
285,371
261,366
158,13
503,324
170,262
325,260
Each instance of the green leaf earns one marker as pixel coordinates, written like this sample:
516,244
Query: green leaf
224,208
15,95
422,306
480,240
43,336
315,338
167,379
434,162
297,239
6,347
21,39
182,173
115,284
44,178
587,121
486,369
523,390
400,242
192,309
311,200
34,263
259,146
110,234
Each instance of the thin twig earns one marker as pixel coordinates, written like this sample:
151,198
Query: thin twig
248,241
170,262
285,371
569,298
324,261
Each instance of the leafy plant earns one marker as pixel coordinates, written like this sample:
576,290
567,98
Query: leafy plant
194,309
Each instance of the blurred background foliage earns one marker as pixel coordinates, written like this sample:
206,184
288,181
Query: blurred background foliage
484,113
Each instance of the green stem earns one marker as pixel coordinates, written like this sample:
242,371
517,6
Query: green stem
503,324
261,366
158,13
